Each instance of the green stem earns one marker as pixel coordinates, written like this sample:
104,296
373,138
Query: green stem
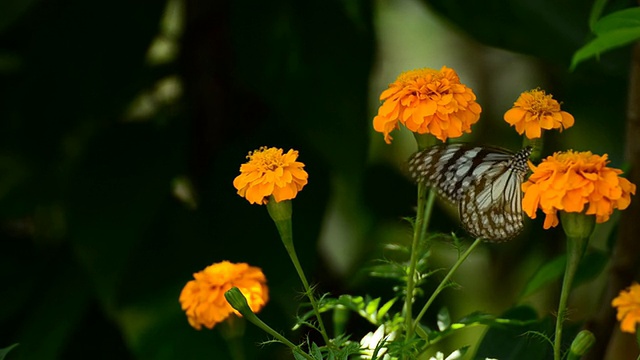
259,323
419,231
575,249
445,281
236,348
578,228
537,145
574,254
281,212
309,291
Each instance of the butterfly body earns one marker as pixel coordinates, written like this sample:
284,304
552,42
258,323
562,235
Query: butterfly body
484,182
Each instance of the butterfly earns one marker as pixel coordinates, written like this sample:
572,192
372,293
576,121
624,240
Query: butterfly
484,182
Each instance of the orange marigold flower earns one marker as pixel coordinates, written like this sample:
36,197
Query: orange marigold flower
428,101
270,172
535,110
203,298
570,180
628,304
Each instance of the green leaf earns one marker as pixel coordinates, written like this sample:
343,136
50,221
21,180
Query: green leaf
596,11
623,19
612,31
591,265
315,351
546,274
605,42
511,342
372,308
385,308
5,351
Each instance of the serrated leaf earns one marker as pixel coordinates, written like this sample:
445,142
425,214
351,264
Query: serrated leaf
315,351
444,319
5,351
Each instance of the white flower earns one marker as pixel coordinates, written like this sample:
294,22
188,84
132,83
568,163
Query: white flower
453,356
376,340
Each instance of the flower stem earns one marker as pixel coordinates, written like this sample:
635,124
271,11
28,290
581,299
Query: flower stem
236,348
238,301
578,228
280,212
266,328
575,249
425,205
445,281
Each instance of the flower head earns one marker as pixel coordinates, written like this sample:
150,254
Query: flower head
373,344
535,110
203,298
270,172
427,101
628,304
569,181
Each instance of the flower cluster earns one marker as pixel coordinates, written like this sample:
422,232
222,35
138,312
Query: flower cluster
570,180
628,305
427,101
269,172
534,111
203,298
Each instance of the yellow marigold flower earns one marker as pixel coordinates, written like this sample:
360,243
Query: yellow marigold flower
628,305
535,110
203,298
270,172
570,180
428,101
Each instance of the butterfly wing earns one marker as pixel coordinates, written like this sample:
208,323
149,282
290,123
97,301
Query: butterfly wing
483,182
491,207
451,169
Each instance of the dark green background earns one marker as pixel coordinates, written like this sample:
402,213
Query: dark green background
94,249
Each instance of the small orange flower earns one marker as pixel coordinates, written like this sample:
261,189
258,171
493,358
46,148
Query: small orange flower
628,304
270,172
203,298
428,101
534,110
570,180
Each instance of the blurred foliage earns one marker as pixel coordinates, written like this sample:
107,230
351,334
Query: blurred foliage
104,105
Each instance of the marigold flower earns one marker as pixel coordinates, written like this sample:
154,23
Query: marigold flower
203,298
270,172
535,110
570,180
628,305
428,101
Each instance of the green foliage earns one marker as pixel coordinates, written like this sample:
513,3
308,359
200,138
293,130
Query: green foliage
517,341
370,309
5,351
86,200
612,31
591,265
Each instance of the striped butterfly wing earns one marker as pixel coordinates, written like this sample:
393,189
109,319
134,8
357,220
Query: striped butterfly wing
484,183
